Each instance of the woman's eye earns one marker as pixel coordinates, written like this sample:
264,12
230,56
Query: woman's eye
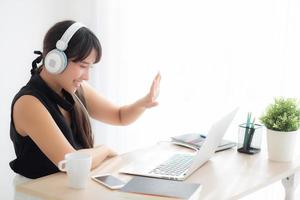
85,67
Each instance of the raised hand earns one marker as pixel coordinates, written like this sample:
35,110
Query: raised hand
150,99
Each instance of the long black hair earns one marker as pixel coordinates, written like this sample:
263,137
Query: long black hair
79,47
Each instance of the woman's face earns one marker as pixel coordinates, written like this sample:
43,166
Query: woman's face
76,72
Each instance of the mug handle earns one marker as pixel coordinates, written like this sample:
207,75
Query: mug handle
62,165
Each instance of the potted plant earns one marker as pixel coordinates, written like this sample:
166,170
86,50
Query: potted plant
282,120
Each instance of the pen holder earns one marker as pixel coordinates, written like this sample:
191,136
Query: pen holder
249,138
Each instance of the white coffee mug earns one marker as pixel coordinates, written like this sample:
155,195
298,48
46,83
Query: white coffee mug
77,165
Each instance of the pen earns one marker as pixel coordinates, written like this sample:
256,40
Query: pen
251,133
253,123
246,137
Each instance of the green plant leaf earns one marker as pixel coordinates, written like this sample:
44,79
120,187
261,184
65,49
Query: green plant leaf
283,115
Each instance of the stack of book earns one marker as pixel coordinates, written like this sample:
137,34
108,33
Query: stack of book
195,141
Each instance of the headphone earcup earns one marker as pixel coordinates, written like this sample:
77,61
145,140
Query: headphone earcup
55,61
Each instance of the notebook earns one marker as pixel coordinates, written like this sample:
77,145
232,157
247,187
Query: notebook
196,140
180,165
153,188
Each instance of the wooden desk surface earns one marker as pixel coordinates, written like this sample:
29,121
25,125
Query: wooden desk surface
228,175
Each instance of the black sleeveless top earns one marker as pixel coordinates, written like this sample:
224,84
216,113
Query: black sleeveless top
31,162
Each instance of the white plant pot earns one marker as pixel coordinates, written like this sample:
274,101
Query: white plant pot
281,145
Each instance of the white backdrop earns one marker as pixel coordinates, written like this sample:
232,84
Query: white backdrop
213,55
23,26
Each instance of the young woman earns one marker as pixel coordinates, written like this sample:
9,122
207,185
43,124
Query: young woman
50,114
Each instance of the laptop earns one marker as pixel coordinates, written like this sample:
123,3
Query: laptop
179,166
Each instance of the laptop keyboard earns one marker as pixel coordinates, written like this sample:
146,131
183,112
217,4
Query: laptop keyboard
175,165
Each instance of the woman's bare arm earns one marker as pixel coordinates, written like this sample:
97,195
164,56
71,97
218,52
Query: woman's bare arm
33,119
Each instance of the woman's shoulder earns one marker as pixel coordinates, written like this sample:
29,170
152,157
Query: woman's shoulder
24,111
26,101
25,90
30,92
27,104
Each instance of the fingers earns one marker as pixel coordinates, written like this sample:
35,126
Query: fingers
154,91
157,78
150,98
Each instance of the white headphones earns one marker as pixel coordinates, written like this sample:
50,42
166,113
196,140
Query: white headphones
56,60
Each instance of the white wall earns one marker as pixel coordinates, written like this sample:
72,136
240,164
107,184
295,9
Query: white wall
23,26
212,55
22,29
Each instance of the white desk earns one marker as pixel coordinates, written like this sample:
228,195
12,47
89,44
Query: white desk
228,175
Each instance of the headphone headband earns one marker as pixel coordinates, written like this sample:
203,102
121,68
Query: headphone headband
62,44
